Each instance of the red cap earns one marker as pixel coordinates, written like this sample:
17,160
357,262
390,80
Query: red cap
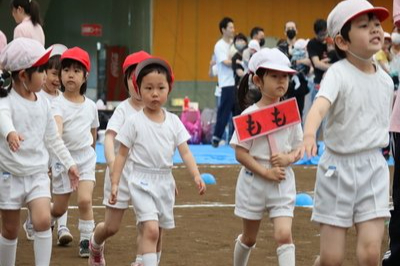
79,55
134,59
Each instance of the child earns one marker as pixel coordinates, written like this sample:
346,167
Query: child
23,150
114,212
151,135
77,121
356,95
50,91
266,181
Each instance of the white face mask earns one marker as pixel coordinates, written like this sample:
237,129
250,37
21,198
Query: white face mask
396,38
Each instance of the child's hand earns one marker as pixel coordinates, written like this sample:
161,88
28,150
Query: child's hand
201,186
309,146
113,196
14,139
276,174
281,159
73,174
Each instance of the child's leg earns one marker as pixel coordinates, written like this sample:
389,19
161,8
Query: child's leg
41,219
86,220
369,241
283,238
245,242
108,228
8,237
159,245
332,245
149,242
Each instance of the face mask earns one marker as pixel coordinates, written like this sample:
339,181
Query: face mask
240,47
291,34
262,42
396,38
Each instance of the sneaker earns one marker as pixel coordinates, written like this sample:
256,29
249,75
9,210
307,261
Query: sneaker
64,236
215,142
84,249
30,232
96,256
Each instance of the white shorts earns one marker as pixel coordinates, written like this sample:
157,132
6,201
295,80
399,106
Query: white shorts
16,191
351,188
123,196
85,159
153,195
256,195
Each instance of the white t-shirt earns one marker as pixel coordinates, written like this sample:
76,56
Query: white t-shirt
48,96
34,121
225,73
123,111
78,120
361,104
153,144
287,140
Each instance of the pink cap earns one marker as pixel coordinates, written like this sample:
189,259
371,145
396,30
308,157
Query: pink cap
149,61
349,9
23,53
272,59
134,59
79,55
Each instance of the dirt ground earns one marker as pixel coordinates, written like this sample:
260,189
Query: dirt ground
204,234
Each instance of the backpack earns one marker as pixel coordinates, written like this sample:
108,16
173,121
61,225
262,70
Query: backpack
208,121
192,122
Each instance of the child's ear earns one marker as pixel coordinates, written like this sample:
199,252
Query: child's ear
341,43
257,81
22,75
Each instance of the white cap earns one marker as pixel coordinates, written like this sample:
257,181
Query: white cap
349,9
387,35
58,49
23,53
255,45
300,44
272,59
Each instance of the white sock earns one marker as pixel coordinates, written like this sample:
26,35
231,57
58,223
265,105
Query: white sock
286,255
139,258
149,259
241,253
42,247
62,221
94,244
8,251
158,257
86,229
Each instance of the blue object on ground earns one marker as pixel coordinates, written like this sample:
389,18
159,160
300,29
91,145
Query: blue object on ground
209,179
304,200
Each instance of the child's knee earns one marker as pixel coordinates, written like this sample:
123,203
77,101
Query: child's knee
41,223
151,231
369,254
247,240
85,202
283,236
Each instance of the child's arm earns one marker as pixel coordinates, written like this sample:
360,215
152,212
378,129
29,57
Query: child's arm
94,135
286,159
117,171
314,118
7,129
109,148
191,165
243,157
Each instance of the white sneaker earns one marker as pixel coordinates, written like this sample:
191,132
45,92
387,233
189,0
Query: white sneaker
30,232
64,236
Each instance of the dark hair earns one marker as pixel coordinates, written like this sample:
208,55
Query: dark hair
66,63
14,76
127,74
31,7
154,68
344,32
54,62
284,27
254,31
224,23
240,36
243,91
319,25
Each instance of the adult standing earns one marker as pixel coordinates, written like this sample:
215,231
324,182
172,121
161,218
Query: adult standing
256,34
287,45
26,14
225,79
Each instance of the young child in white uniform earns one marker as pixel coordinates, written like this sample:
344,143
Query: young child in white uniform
266,181
51,90
355,98
24,156
151,136
114,212
77,120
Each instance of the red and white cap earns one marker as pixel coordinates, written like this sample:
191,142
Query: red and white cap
134,59
77,54
349,9
149,61
23,53
58,49
272,59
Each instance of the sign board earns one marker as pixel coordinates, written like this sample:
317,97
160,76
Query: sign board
94,30
267,120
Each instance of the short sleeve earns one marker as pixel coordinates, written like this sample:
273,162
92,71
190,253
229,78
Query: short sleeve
330,85
221,54
127,134
95,122
117,120
181,133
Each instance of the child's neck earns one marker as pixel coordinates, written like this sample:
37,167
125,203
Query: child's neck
50,92
265,101
366,66
24,93
136,104
74,97
157,116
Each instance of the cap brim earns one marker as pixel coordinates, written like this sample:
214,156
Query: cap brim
279,68
152,60
380,12
45,57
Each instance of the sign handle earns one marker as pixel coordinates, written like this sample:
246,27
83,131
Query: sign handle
272,144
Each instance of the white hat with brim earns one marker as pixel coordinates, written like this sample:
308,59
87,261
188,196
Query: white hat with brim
58,49
349,9
272,59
